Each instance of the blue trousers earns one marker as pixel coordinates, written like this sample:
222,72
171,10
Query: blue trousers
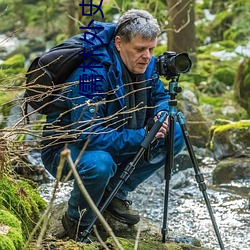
100,170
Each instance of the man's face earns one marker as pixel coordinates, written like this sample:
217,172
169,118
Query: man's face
137,53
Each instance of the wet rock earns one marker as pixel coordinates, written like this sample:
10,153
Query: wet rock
232,139
181,179
149,233
231,169
31,167
197,125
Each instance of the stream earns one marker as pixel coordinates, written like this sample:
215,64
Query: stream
187,212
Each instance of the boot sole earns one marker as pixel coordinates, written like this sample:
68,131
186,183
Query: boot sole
121,219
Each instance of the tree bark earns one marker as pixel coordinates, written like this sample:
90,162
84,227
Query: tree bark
72,11
181,27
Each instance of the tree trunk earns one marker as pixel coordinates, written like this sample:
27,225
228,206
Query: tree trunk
72,11
181,27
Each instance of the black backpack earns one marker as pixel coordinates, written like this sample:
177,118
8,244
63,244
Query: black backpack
48,73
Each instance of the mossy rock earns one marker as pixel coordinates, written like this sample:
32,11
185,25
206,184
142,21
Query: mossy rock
232,139
150,235
21,199
128,244
10,231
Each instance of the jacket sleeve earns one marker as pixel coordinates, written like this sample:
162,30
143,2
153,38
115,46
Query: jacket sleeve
89,125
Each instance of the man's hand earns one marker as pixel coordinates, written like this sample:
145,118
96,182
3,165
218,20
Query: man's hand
164,128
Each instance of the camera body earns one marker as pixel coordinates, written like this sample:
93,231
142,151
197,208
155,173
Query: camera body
171,65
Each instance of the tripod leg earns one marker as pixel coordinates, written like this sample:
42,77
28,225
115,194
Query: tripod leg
199,177
168,173
129,168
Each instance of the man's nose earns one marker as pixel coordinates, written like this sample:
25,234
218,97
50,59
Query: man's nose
146,54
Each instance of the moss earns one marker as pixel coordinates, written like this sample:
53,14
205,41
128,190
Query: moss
236,125
238,128
13,71
13,239
212,100
17,61
228,45
128,244
225,75
22,200
16,237
60,38
9,219
6,243
219,103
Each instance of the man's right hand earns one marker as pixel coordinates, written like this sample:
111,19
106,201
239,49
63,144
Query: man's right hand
163,129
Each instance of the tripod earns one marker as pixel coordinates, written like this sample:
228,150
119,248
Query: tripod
169,163
173,90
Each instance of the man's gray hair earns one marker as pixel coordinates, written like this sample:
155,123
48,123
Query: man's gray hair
137,22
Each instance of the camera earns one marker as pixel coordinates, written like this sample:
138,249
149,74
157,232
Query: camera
171,65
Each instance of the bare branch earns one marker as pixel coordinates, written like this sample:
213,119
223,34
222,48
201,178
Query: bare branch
66,154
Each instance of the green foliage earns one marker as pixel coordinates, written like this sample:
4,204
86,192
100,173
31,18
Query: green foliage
229,23
242,84
216,67
160,49
17,61
214,101
224,75
221,23
60,38
219,102
12,67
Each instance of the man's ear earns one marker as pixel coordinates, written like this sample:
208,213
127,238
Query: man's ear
118,42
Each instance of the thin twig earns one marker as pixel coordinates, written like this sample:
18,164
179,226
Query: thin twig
137,236
45,217
66,154
99,238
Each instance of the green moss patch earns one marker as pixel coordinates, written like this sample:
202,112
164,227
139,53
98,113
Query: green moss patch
230,134
22,200
10,231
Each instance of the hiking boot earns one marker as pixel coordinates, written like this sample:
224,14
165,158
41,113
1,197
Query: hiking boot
121,211
75,231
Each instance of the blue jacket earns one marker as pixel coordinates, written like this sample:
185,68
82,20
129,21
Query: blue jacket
97,116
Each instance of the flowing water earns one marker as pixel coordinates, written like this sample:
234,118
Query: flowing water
187,212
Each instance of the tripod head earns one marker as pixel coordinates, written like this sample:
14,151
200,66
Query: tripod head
174,89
